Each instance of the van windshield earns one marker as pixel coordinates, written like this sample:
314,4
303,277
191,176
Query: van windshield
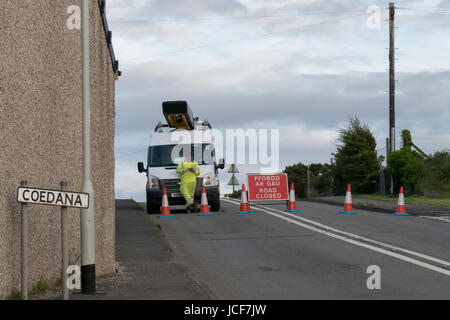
172,155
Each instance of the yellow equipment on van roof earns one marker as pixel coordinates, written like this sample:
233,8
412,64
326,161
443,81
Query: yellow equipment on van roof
178,114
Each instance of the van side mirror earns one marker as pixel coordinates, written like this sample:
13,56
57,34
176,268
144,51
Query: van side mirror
221,164
141,167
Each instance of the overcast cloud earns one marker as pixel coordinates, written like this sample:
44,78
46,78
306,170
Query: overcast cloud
298,66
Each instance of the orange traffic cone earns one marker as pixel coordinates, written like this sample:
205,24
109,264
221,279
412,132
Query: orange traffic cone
291,205
204,208
165,211
401,209
244,203
348,207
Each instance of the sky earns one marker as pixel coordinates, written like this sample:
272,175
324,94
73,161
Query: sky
301,67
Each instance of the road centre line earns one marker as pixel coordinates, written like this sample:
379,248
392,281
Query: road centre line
329,232
443,218
352,235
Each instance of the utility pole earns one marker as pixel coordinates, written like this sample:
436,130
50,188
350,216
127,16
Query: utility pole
387,150
308,183
391,77
390,181
391,141
87,225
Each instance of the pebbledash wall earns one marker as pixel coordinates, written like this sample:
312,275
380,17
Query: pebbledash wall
41,133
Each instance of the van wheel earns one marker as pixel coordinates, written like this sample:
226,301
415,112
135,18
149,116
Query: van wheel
215,204
152,208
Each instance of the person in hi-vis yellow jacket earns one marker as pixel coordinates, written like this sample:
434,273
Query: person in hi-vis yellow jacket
188,171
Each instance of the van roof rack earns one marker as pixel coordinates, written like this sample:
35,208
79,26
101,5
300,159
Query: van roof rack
205,123
199,125
161,125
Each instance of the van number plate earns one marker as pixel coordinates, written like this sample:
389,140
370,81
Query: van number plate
176,195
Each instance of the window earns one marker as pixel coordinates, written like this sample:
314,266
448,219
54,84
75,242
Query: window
171,155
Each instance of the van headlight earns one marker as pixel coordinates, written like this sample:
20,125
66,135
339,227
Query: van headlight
153,182
209,179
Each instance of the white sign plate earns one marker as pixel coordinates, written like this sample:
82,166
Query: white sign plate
53,197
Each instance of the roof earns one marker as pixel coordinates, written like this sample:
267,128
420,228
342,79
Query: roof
108,35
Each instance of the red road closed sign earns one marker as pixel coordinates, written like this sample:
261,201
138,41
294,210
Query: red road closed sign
268,187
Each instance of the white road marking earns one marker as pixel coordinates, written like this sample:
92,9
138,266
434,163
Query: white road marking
443,218
329,232
355,236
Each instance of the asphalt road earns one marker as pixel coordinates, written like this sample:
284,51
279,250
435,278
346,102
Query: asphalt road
315,254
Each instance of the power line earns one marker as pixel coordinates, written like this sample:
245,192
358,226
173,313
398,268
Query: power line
153,20
246,38
440,12
426,8
430,139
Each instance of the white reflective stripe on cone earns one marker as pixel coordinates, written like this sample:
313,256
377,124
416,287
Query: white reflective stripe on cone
401,199
244,197
348,197
165,202
292,195
204,199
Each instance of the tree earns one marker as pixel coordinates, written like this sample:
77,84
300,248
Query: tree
438,167
435,181
406,165
236,194
320,178
297,174
406,138
356,159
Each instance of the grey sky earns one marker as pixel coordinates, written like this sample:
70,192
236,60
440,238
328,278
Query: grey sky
298,66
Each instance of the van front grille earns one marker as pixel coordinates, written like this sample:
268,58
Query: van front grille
172,185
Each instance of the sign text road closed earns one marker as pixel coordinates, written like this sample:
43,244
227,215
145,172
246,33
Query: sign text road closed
267,187
53,197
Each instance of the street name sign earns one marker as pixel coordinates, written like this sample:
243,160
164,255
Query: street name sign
53,197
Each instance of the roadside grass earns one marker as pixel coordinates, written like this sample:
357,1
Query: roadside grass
15,295
41,285
415,200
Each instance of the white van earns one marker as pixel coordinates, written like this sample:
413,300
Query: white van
168,145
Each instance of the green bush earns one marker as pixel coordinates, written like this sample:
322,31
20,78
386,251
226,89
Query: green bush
406,166
320,175
436,177
297,174
234,195
357,162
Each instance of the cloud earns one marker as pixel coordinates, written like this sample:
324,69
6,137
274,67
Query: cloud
164,10
305,82
128,182
192,8
229,98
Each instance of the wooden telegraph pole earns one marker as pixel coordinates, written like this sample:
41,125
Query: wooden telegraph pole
391,85
391,77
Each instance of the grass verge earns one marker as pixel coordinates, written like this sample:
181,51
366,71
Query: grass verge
415,200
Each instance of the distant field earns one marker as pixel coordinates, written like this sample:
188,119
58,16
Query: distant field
444,203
